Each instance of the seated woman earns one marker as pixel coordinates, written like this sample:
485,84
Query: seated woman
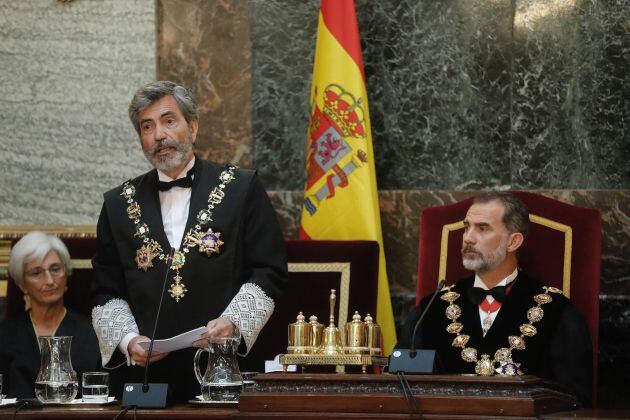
40,266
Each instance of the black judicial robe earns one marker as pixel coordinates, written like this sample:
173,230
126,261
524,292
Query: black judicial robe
20,357
253,251
561,350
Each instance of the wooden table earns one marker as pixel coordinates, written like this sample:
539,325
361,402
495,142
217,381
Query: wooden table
377,396
179,411
360,396
194,412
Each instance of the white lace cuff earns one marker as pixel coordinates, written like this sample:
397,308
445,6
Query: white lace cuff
112,322
249,310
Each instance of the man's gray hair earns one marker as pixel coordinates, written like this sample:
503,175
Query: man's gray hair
34,246
149,94
515,214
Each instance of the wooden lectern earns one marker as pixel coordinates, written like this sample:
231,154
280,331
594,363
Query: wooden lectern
381,396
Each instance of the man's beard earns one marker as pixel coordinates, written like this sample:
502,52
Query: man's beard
172,160
485,262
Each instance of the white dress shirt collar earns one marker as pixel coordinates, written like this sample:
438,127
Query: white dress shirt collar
174,207
509,279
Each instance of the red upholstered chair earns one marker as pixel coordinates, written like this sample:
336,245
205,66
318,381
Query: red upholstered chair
562,249
315,267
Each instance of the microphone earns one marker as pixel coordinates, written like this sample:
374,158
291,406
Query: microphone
412,360
419,321
148,395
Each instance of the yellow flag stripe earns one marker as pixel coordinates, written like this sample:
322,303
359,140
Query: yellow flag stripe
353,213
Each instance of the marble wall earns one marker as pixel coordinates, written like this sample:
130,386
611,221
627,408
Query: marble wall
464,95
67,73
206,46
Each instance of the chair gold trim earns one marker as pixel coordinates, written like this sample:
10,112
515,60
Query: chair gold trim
446,229
568,241
343,268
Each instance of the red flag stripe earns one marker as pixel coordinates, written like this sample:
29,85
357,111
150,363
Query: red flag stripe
303,235
341,20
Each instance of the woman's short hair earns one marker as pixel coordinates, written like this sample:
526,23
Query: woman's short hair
34,246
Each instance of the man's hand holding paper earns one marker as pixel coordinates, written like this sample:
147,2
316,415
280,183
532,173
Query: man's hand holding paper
163,347
219,327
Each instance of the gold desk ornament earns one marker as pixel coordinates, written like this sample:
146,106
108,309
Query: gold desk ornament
373,336
299,336
339,360
317,331
332,343
312,345
355,335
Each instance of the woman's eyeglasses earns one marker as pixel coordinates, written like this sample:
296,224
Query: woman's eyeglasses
38,273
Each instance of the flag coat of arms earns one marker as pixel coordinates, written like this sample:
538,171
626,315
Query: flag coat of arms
341,200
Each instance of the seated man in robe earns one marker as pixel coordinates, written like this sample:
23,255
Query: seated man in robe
501,320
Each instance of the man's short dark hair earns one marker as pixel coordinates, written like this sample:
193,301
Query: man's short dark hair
515,214
149,94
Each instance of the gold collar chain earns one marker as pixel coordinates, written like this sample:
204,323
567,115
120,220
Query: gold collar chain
503,356
208,241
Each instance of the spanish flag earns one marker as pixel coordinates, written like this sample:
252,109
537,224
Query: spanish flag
341,201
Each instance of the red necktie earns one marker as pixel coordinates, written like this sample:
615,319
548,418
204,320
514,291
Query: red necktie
495,305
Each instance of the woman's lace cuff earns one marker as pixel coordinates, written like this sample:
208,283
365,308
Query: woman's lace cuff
112,322
249,310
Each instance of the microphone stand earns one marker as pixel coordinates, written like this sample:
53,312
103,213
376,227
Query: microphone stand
415,361
412,360
412,353
147,395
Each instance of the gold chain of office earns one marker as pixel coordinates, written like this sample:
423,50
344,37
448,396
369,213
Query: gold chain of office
503,356
208,240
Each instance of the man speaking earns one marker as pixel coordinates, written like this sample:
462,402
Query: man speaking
228,265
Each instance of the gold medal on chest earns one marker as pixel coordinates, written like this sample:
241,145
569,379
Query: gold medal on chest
145,255
178,289
485,366
208,241
179,259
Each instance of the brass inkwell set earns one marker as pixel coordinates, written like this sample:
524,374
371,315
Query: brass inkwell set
312,344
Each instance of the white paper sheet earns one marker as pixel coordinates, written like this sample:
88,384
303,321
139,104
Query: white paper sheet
275,366
178,342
